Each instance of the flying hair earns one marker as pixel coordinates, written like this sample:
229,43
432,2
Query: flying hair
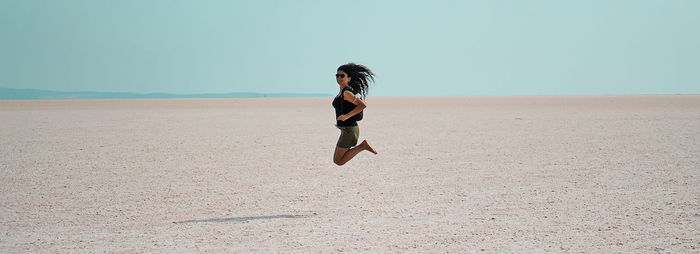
360,77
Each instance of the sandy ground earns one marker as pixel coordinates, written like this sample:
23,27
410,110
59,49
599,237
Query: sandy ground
494,174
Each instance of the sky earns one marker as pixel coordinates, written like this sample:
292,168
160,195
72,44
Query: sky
416,48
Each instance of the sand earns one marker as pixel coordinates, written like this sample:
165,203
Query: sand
453,174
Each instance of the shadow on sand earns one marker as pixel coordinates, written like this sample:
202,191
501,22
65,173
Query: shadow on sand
240,219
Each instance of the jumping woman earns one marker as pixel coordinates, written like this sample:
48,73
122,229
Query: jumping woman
353,80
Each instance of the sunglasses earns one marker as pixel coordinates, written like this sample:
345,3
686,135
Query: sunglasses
339,75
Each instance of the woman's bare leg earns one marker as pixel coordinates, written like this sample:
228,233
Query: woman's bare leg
343,155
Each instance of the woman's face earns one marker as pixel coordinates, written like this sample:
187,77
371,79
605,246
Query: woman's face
342,78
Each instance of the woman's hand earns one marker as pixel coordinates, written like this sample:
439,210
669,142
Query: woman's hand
360,105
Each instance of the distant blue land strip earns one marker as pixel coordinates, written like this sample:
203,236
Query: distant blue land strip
34,94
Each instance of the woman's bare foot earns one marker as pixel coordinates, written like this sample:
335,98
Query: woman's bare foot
368,147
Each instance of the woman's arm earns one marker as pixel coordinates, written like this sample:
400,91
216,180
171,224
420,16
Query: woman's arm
354,99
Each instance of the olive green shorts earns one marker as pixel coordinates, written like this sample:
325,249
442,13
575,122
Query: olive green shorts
348,136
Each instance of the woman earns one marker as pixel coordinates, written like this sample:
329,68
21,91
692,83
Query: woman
353,80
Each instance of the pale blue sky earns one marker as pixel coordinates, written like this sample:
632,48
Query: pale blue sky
416,48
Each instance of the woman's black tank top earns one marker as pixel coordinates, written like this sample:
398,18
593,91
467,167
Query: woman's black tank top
343,107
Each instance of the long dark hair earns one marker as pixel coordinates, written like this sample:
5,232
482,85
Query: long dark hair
360,77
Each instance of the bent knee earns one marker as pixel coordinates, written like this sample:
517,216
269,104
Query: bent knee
338,162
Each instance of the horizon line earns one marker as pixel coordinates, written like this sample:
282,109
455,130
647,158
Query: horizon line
40,94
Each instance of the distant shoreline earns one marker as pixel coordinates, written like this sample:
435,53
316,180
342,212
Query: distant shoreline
36,94
12,94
